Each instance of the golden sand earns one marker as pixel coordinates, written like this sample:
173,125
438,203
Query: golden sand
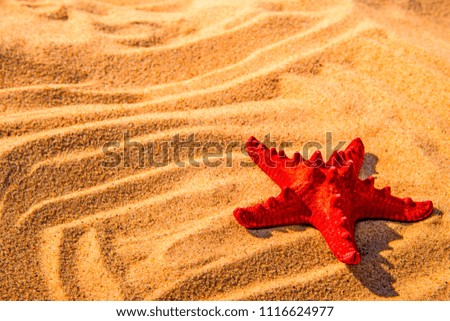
77,74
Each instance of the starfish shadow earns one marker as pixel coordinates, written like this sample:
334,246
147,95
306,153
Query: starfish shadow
368,166
437,212
265,233
372,238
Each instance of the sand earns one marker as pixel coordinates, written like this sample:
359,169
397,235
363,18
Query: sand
78,74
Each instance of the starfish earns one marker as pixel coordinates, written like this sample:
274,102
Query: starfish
327,195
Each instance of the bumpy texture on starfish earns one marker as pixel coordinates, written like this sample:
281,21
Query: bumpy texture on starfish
328,195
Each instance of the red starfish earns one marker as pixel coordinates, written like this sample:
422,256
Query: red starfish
328,195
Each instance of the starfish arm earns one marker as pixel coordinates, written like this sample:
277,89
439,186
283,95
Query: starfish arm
355,153
352,156
275,165
285,209
338,231
380,204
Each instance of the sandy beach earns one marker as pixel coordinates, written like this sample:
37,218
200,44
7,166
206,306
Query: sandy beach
81,220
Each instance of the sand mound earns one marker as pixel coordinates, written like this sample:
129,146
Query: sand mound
77,74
